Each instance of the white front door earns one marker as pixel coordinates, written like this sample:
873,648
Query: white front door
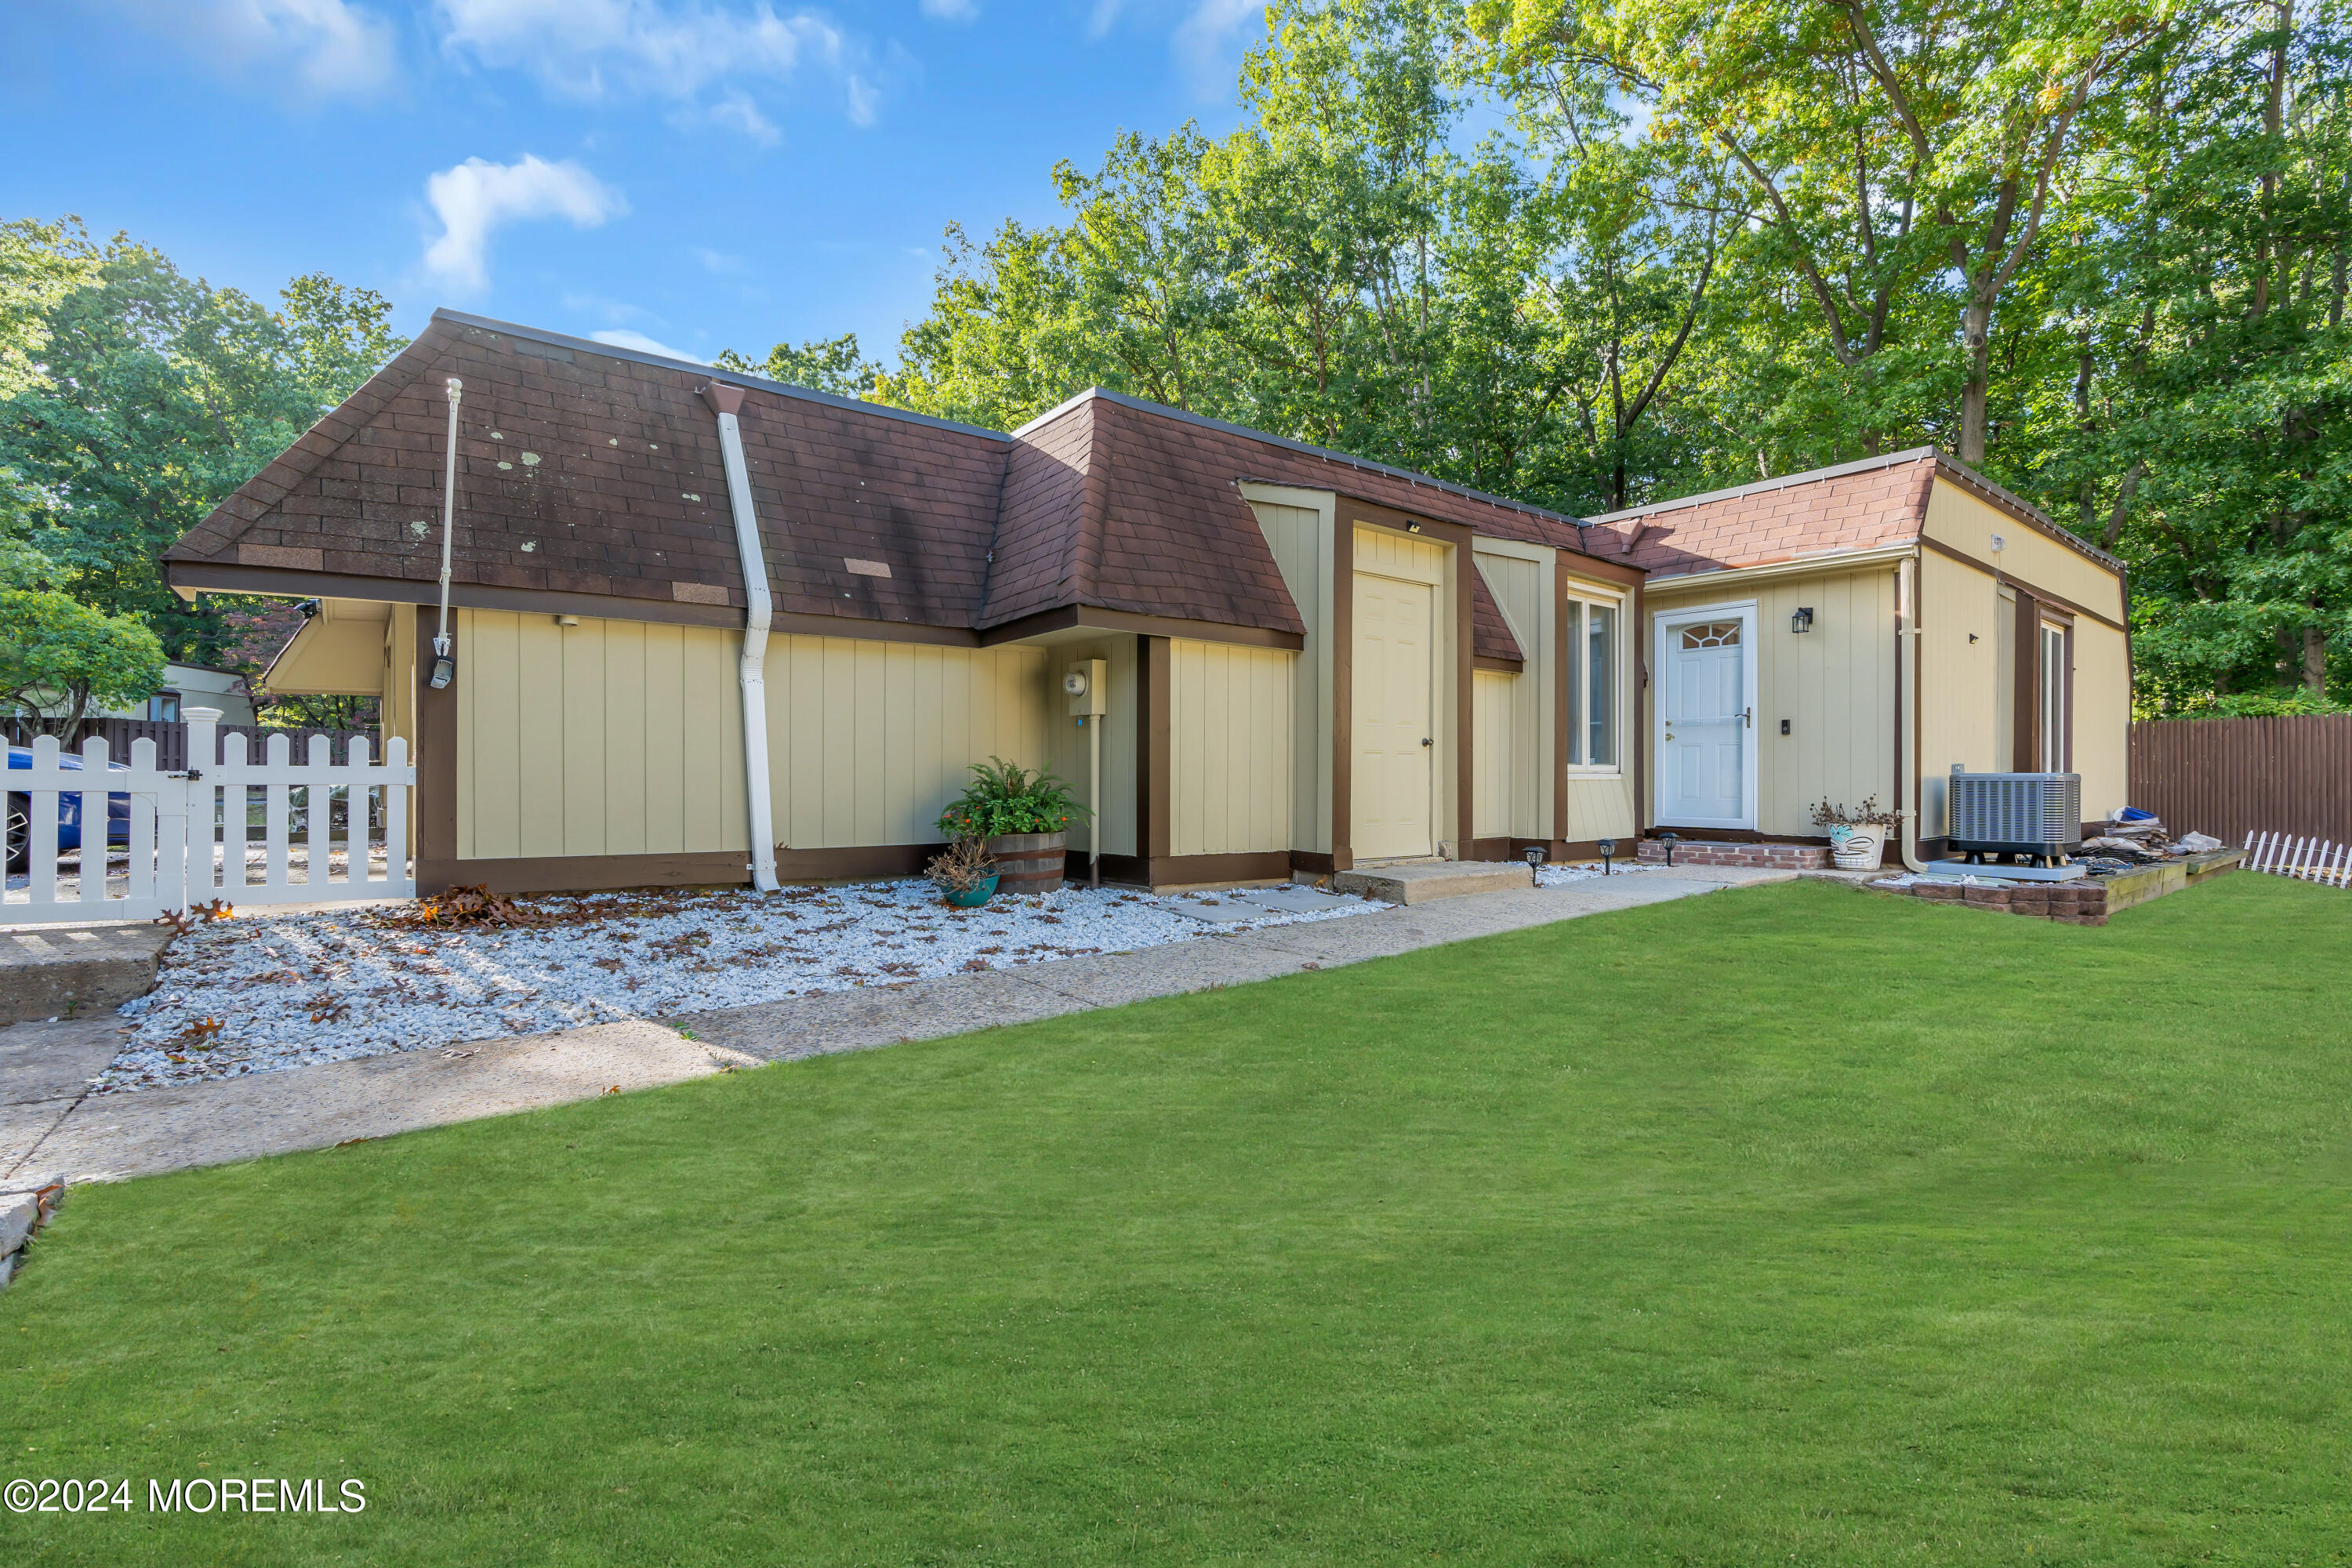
1706,719
1392,787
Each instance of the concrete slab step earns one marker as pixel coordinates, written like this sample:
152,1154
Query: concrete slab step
1424,881
56,971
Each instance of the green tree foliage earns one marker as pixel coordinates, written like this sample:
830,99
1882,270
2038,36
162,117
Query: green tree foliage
831,365
2096,248
61,657
149,397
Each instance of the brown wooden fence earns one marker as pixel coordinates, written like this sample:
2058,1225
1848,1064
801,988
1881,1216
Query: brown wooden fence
171,738
2229,777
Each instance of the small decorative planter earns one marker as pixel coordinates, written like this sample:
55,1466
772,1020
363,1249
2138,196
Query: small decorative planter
1028,862
1857,848
979,894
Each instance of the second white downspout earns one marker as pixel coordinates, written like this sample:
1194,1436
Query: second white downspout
1907,691
751,671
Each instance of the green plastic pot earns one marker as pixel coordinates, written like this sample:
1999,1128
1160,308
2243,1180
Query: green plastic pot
977,897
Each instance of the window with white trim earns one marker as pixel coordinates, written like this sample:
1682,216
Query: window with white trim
1592,629
2054,717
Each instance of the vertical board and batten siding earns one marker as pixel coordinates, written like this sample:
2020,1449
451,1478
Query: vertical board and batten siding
604,738
1067,744
1834,684
1492,776
1968,690
1521,800
1230,741
2102,717
1302,538
1957,518
1601,803
2230,777
1401,557
869,741
1960,707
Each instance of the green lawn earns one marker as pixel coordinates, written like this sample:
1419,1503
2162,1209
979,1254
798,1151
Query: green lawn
1784,1225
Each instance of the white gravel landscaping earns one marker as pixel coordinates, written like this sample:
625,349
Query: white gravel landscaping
1564,875
265,990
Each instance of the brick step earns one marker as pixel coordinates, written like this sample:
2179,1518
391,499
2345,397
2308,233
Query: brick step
1724,852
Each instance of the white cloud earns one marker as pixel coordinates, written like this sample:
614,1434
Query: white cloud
477,198
622,338
718,260
1204,41
951,10
736,112
1099,22
323,49
682,50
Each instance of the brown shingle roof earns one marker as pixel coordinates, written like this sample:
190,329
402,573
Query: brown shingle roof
1490,634
1804,514
1865,505
590,470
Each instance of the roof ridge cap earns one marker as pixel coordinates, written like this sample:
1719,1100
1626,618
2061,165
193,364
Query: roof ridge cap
1093,505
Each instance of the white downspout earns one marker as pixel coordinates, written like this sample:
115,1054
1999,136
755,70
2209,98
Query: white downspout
750,670
1907,693
444,669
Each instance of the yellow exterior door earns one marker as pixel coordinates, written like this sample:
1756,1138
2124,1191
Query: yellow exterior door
1393,785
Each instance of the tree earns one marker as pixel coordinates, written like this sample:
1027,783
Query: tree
830,365
58,657
155,396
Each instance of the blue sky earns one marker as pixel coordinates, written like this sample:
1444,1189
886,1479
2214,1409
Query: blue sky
695,174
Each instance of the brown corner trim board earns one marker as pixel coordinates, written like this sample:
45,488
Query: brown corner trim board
590,873
1195,870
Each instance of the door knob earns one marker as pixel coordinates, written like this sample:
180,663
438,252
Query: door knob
1427,742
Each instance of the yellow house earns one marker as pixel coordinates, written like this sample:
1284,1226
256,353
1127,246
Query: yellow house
702,628
1859,632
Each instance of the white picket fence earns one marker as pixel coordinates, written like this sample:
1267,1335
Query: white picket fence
190,833
2306,859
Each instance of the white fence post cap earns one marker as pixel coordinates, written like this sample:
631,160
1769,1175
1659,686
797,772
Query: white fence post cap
201,715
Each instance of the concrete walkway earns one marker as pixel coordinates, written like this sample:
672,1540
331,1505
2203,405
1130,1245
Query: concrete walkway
48,1124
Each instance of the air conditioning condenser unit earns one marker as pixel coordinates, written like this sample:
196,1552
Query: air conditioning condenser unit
2038,814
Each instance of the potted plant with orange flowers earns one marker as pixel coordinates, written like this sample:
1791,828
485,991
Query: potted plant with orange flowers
1024,816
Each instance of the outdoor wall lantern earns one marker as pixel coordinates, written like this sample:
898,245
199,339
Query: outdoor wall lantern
1803,621
1412,528
1608,848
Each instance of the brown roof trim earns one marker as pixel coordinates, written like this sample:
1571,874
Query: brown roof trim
1180,417
1073,617
1488,662
192,577
205,576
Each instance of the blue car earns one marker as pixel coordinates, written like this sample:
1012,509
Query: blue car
20,812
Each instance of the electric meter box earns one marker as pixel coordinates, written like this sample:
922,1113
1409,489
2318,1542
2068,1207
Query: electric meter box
1088,685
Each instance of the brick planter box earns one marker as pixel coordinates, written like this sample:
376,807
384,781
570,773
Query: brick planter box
2085,903
1761,857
